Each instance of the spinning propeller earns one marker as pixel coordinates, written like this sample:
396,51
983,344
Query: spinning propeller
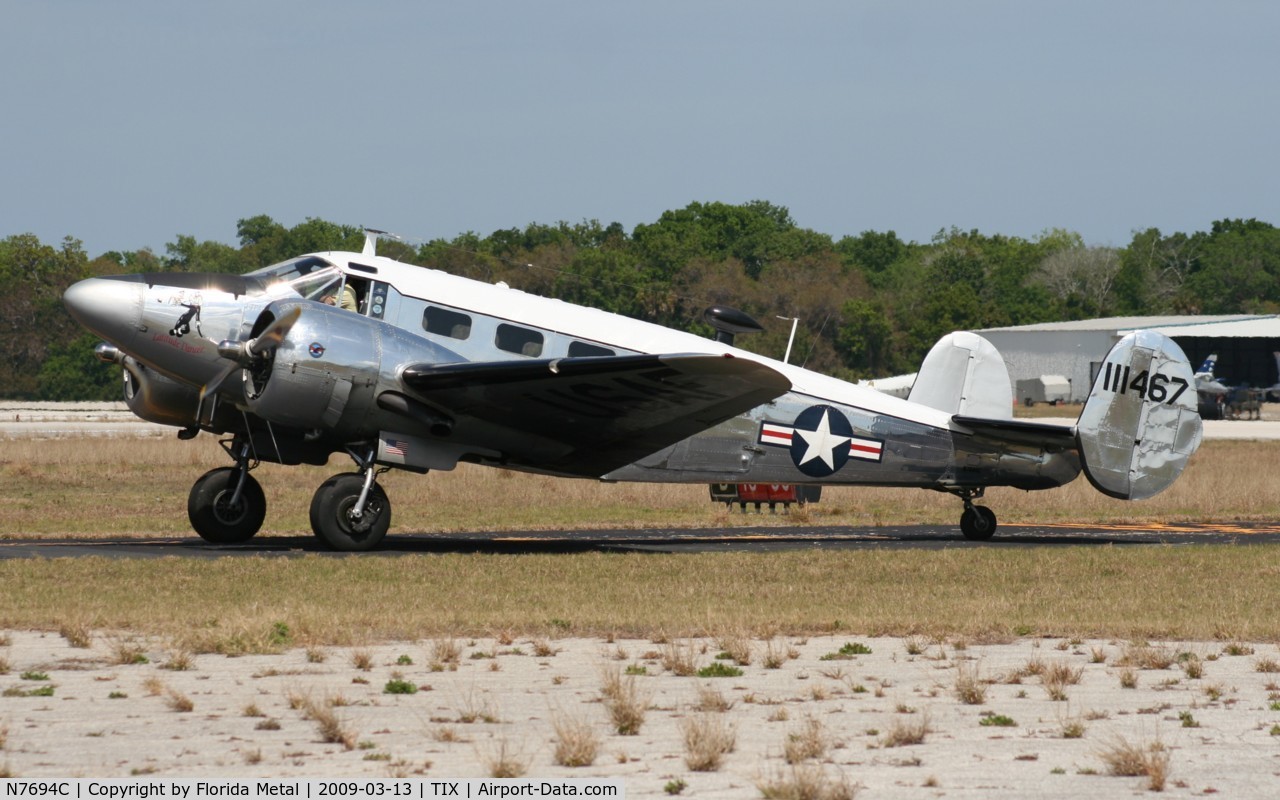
246,353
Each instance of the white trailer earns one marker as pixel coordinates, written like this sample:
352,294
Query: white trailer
1051,389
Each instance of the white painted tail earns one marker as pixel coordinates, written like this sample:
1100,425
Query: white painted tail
964,374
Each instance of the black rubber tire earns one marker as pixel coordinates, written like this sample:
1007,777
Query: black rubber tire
330,521
978,523
214,519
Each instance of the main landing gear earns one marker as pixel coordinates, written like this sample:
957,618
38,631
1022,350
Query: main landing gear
226,505
977,523
350,512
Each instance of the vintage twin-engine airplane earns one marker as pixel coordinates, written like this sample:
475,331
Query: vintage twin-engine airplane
430,369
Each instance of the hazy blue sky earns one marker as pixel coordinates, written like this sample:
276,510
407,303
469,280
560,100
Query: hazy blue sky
127,123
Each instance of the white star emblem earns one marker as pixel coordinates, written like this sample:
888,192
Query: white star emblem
822,443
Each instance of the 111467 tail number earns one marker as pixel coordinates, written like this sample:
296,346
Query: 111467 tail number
1154,386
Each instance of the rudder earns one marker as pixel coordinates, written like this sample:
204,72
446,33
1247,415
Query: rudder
1140,425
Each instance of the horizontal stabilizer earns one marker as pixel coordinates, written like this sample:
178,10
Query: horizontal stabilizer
589,416
1035,434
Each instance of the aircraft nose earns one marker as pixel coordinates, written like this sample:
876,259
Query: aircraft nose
110,307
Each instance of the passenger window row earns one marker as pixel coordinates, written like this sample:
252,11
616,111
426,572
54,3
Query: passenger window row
510,338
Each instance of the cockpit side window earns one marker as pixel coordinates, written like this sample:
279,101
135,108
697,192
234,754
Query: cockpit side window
306,277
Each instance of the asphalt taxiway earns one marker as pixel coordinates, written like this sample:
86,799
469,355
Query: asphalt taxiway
667,540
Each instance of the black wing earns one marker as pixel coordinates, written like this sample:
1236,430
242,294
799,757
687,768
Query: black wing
589,416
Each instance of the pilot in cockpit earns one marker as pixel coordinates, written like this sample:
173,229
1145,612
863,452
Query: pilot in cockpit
347,301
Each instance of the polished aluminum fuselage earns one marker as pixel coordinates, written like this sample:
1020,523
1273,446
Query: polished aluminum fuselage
328,375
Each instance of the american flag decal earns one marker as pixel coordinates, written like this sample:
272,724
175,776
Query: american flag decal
396,447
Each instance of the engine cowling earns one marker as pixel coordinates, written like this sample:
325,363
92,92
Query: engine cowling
155,398
330,366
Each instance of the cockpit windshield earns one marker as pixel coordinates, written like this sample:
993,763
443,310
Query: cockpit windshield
309,277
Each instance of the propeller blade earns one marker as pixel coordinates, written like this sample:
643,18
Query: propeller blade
212,386
275,332
242,353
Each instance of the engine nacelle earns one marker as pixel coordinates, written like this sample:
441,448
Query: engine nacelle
158,399
330,362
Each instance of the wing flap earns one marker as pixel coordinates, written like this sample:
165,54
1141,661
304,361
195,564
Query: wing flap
589,416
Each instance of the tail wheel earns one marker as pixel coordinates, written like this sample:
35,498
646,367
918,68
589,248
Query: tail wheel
218,515
978,523
333,520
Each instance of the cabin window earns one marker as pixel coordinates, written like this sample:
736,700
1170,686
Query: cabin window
584,350
443,322
519,340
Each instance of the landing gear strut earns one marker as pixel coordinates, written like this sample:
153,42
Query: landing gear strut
226,505
350,512
977,523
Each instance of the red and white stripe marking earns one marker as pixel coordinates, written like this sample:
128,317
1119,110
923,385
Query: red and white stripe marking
776,434
869,449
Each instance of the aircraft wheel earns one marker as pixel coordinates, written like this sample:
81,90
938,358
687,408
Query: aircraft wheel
978,523
214,517
331,518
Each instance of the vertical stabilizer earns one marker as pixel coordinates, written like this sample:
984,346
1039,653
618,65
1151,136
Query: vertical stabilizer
1139,425
964,374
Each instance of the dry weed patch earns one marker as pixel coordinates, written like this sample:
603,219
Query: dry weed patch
1145,656
624,701
970,688
331,727
1266,664
809,741
1057,676
445,653
775,654
806,782
735,647
711,699
476,707
680,659
177,701
707,740
125,652
907,731
1128,759
178,661
76,634
505,760
577,743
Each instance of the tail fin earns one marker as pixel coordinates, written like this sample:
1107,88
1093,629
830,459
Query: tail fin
1206,368
1139,425
964,374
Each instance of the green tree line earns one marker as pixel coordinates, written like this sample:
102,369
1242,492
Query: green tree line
869,305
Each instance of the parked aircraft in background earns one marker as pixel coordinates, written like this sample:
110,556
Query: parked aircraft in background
1205,380
432,369
896,386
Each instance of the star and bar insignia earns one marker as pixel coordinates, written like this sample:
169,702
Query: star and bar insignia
821,441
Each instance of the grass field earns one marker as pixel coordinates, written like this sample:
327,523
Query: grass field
88,487
124,487
243,604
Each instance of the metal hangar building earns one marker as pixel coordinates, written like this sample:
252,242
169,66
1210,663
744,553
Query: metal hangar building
1245,344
